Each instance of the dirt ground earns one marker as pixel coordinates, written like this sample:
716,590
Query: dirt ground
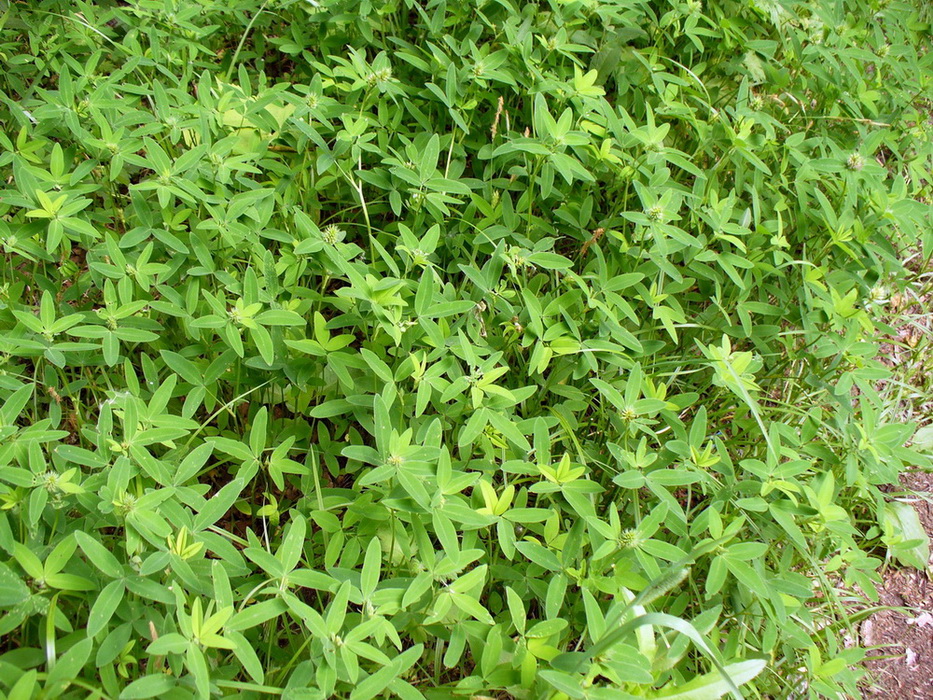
904,636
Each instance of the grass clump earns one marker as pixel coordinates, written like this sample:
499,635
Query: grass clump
360,348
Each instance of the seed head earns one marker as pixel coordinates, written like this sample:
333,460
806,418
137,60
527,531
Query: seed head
879,294
333,234
124,503
629,539
49,480
495,123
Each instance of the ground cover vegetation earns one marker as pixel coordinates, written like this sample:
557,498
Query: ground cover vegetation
355,348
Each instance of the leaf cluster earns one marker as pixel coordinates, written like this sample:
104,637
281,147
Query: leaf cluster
362,348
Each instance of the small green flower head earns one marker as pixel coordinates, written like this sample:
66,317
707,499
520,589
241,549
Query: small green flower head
333,234
879,295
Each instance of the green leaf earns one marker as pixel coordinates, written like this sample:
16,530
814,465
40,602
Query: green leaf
247,656
25,687
563,682
369,578
104,607
516,609
539,555
28,561
472,607
712,686
257,614
546,628
218,506
197,666
428,163
12,589
290,551
67,668
374,684
263,342
550,261
923,439
906,537
154,686
279,317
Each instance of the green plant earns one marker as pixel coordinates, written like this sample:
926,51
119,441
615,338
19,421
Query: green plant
367,347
